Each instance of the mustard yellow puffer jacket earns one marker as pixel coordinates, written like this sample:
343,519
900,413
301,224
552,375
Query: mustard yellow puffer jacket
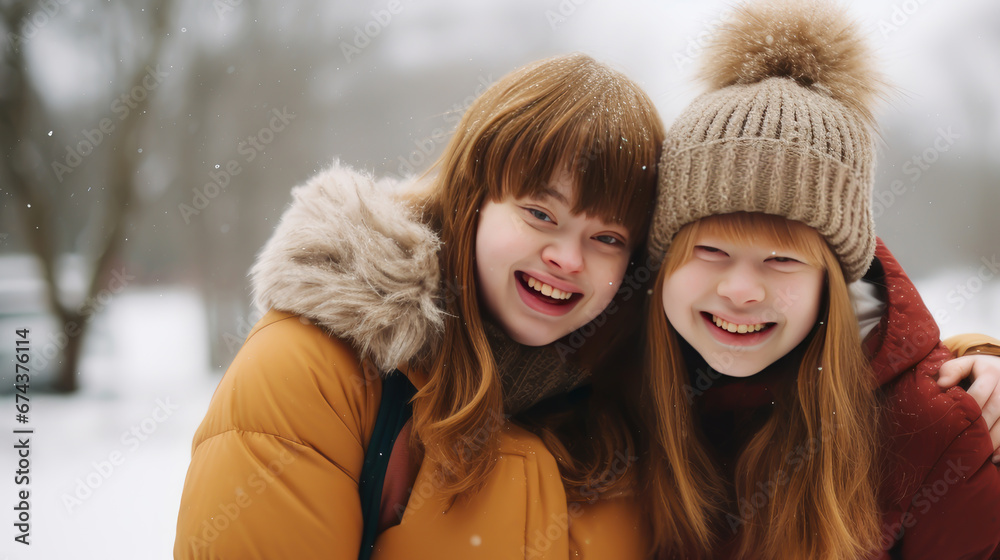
276,462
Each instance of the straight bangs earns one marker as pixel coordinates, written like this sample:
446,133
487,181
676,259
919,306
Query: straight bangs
753,228
582,119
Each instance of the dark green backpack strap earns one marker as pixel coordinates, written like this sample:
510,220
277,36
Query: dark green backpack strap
393,412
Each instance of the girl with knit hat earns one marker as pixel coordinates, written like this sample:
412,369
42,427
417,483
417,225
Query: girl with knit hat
779,429
459,298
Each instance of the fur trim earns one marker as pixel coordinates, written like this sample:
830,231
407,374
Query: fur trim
812,42
357,262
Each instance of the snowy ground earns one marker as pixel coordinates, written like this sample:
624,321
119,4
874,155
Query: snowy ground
108,464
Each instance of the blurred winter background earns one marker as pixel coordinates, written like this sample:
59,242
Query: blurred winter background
148,149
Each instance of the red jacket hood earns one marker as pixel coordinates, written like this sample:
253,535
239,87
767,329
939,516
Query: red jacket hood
907,332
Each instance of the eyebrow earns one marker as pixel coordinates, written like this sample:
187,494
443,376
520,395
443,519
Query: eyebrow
550,192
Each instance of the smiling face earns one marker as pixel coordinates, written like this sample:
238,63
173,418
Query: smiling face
543,271
743,305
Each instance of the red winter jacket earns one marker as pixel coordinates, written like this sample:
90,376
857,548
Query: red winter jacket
939,493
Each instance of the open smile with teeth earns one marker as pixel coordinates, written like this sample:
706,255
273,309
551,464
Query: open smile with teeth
545,289
737,328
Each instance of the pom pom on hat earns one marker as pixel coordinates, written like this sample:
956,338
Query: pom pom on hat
814,43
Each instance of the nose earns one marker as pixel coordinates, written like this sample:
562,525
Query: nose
564,254
742,285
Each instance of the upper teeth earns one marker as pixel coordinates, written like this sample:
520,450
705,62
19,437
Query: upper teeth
734,328
547,290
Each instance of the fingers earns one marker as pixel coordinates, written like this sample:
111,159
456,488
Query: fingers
956,370
985,389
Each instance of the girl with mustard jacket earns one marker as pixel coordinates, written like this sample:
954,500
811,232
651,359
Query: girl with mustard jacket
479,288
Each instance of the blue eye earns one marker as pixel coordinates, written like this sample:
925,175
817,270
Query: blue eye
539,215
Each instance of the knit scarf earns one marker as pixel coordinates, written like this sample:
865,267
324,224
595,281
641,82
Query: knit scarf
530,374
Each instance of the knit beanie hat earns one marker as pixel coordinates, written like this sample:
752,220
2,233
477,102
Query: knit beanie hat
786,129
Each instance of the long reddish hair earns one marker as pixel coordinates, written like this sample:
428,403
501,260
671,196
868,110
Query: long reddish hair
564,114
826,506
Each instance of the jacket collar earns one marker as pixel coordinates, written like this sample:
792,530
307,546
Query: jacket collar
357,262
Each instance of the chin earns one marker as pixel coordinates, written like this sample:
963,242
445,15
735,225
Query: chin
739,373
730,371
531,338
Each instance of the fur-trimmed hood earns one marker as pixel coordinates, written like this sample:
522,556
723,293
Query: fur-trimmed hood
356,261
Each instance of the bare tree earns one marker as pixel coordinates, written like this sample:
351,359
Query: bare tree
30,180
